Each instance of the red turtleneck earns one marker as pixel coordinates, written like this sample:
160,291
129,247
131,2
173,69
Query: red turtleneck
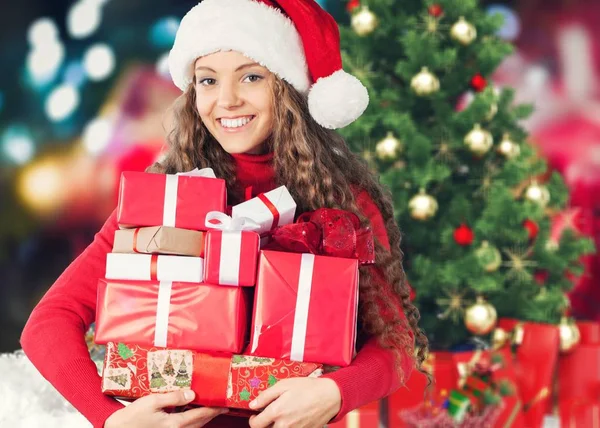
53,338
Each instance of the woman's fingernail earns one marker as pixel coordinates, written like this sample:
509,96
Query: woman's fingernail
252,404
189,394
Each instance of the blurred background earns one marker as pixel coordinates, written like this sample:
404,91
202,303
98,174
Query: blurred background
84,96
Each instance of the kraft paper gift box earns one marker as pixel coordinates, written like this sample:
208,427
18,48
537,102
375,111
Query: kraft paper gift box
159,240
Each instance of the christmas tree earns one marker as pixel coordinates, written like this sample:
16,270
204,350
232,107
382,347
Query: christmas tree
169,370
473,199
156,379
183,377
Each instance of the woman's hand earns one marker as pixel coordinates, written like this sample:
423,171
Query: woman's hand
148,412
298,403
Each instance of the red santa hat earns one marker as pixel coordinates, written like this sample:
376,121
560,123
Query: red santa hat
295,39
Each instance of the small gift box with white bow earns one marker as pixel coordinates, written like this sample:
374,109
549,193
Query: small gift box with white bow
174,200
270,210
231,253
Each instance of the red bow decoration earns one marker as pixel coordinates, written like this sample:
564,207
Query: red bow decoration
327,232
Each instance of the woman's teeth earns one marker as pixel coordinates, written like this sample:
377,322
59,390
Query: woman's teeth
236,123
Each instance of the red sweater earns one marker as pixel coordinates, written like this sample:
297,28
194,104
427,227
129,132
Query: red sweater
53,338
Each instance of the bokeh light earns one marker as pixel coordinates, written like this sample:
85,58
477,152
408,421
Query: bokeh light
162,33
42,31
99,61
41,186
97,134
83,19
62,102
512,25
162,65
17,144
43,61
74,74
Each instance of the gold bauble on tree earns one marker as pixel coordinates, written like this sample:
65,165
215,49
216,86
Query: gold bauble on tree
422,206
537,193
364,21
508,148
479,141
569,334
425,83
389,147
463,31
481,317
488,256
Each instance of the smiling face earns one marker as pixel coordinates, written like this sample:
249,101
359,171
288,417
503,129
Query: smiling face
235,101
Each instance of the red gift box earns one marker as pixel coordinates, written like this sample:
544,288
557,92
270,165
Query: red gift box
132,371
185,315
537,357
579,414
579,374
180,201
231,257
364,417
305,308
511,414
442,367
589,332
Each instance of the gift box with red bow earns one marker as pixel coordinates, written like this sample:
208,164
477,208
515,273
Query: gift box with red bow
180,200
185,315
305,306
270,210
231,250
133,371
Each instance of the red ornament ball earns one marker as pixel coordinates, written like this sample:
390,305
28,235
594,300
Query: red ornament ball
541,276
463,235
352,5
435,10
532,228
478,82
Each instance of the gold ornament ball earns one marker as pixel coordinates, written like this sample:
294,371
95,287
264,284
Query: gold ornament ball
569,335
425,82
364,21
508,148
489,257
479,141
481,317
422,206
389,147
537,193
463,31
499,338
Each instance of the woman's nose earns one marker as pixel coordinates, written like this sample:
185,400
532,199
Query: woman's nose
229,96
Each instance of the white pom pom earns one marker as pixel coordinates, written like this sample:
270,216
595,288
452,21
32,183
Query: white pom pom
337,100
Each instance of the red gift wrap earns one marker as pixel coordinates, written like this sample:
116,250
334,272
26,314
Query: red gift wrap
184,315
132,371
579,413
511,413
231,257
536,363
181,201
590,332
364,417
579,374
305,308
442,367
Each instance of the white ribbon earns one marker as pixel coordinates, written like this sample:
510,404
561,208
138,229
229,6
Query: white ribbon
204,172
231,244
227,223
302,307
171,186
162,313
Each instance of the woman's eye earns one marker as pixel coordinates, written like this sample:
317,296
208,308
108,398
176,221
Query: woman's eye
253,78
207,82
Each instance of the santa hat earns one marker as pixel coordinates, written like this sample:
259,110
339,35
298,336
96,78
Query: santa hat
295,39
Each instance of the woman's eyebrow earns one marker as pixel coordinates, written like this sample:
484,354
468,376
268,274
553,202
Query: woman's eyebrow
241,67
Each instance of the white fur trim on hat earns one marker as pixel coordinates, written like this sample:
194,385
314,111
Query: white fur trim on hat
337,100
254,29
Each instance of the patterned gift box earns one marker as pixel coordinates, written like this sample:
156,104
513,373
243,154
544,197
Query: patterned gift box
132,371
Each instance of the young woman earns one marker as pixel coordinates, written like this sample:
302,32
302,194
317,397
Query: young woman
262,87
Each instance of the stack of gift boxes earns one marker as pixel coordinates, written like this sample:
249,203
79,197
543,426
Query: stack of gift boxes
189,299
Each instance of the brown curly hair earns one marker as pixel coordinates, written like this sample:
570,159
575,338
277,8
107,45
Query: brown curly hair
319,170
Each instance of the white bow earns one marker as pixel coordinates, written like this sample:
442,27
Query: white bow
228,223
204,172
